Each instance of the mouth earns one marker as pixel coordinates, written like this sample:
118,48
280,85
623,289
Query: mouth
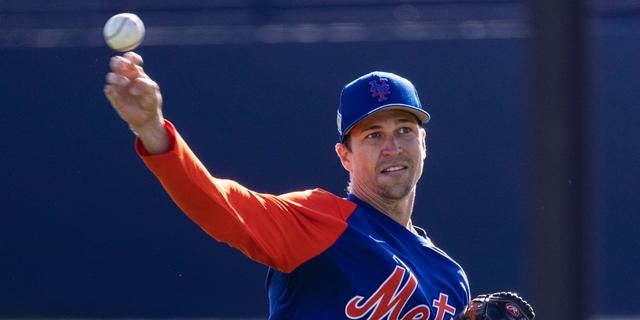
393,169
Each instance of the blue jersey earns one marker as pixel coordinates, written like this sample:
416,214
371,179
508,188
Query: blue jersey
376,269
329,257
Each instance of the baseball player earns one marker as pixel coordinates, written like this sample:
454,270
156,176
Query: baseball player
329,257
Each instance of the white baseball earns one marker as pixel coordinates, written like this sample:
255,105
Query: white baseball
124,32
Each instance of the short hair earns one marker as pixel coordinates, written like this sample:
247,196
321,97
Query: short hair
347,144
347,141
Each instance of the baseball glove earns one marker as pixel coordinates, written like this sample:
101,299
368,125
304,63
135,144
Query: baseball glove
497,306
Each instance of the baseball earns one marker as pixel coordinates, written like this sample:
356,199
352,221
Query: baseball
124,32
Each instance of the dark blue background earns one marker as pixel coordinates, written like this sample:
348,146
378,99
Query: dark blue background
87,231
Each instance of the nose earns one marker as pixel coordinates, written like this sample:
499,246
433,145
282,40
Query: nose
391,146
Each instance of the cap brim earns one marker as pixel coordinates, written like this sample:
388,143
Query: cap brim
422,115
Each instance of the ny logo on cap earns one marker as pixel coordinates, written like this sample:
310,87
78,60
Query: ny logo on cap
379,90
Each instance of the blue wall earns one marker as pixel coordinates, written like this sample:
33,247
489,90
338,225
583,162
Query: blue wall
616,156
87,231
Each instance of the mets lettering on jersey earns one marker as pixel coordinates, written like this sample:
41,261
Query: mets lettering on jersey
379,89
329,257
388,301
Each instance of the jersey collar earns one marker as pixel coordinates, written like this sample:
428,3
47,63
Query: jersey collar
390,224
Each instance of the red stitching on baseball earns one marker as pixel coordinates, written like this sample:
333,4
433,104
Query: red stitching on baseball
124,20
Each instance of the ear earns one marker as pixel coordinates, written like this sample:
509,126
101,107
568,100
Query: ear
344,155
423,134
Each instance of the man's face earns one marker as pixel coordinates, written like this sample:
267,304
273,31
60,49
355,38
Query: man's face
387,153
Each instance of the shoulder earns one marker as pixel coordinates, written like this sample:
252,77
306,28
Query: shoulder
321,200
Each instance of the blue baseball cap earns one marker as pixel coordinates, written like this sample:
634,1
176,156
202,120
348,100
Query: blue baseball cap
374,92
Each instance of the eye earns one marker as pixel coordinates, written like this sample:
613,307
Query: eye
373,135
404,130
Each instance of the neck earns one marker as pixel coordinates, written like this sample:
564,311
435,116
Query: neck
399,210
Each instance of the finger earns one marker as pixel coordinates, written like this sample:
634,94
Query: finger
143,86
117,63
147,92
133,57
113,93
110,92
117,80
125,67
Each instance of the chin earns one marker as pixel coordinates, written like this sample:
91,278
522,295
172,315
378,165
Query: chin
397,192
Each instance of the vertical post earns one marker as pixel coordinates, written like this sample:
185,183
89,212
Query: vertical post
559,218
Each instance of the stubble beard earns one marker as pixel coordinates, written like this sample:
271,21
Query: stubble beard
397,191
403,188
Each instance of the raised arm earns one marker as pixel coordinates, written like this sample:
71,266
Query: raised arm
137,100
279,231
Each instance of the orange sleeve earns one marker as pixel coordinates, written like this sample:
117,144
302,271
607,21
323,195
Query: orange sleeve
279,231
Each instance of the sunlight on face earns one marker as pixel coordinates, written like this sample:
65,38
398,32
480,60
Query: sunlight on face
388,149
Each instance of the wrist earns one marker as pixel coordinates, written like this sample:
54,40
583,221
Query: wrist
153,136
